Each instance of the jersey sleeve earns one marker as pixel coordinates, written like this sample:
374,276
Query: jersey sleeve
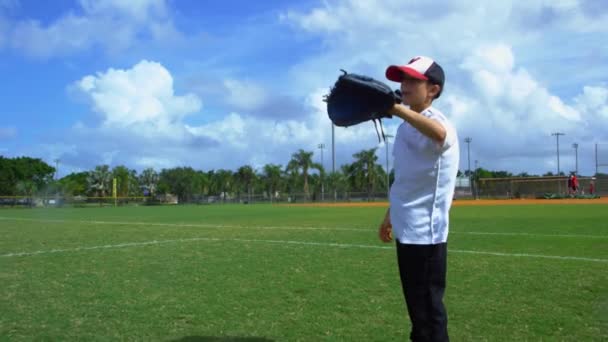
450,136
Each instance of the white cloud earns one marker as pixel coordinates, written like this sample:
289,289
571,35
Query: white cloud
594,103
515,91
496,59
141,98
557,106
140,10
73,32
246,139
245,94
155,162
143,123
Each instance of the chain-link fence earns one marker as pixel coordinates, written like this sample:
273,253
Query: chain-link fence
72,201
484,188
601,169
539,187
284,198
288,198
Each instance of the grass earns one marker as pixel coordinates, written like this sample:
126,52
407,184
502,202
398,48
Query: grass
272,273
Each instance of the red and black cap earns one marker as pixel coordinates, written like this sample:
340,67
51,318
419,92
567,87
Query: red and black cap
422,68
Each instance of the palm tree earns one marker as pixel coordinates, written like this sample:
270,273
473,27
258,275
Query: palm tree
272,178
302,161
365,169
292,177
245,177
338,183
149,180
204,183
99,180
223,180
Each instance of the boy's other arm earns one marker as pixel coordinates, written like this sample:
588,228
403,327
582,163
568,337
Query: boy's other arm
429,127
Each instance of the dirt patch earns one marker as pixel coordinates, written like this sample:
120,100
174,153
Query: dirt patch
457,203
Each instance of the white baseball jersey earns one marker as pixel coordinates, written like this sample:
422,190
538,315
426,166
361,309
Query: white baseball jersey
425,178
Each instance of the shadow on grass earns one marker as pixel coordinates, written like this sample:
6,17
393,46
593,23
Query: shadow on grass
221,339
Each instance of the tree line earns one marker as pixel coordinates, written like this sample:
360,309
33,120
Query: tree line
25,176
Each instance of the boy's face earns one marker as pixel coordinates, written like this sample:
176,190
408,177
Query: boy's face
417,92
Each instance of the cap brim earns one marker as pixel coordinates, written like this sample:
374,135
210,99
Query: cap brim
395,73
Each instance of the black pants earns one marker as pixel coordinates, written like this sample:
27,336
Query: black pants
423,270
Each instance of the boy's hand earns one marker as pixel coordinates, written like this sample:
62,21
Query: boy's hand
394,110
385,232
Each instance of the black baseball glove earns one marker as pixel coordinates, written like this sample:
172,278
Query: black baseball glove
356,98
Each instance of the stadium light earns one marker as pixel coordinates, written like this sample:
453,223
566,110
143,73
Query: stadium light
321,146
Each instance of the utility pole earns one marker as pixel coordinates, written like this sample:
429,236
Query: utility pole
596,162
559,184
56,167
333,149
557,134
468,141
321,146
388,187
475,190
575,145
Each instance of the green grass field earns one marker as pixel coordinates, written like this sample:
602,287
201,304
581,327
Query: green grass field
272,273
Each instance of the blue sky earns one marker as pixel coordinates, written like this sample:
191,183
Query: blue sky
220,84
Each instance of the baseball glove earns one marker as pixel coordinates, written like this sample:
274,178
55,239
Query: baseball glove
356,98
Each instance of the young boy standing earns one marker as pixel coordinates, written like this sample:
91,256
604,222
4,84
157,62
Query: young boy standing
426,160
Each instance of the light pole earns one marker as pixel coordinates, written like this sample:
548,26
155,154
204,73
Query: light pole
388,188
321,147
468,141
575,145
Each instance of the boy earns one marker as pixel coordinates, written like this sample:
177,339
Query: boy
426,154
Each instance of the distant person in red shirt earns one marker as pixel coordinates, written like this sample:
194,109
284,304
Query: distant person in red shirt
592,186
574,184
570,185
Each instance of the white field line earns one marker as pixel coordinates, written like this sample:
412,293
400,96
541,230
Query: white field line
216,226
289,242
180,225
534,234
